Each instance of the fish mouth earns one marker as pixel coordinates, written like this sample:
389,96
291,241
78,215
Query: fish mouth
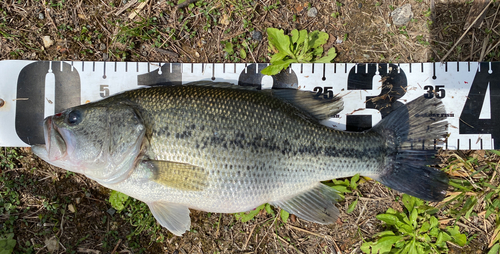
55,143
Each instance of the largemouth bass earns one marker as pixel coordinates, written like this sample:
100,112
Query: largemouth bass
216,147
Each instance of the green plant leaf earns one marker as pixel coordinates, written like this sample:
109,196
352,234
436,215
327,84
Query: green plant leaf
7,244
317,39
278,66
409,202
425,227
243,54
250,215
300,41
495,249
279,40
390,219
495,152
434,222
229,48
460,239
329,56
295,35
278,57
405,228
354,181
442,238
413,218
117,200
352,206
385,233
284,215
269,210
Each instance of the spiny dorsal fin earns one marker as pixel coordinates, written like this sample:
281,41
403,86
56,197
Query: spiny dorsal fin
179,175
317,106
221,85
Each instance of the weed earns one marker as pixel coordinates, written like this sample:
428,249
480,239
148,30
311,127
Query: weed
413,231
347,186
301,47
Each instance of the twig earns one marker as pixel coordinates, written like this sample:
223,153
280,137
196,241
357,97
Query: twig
306,231
116,246
125,7
466,31
250,236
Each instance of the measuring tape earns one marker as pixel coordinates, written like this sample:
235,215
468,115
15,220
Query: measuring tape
470,91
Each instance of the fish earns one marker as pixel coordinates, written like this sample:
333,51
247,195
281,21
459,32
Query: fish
222,148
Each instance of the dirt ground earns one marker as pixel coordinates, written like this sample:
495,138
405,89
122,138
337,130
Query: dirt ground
60,212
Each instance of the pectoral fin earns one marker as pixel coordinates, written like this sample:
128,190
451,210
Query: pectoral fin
174,217
316,205
179,175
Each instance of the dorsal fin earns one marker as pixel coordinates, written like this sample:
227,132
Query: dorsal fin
318,107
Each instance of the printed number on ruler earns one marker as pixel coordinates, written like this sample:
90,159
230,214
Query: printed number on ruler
480,113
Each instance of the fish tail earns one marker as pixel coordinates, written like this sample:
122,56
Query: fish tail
412,133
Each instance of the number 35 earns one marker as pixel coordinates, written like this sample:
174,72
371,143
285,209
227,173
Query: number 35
437,90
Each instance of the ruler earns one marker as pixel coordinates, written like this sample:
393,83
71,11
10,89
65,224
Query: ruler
470,91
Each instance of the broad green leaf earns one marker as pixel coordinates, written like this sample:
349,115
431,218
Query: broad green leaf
442,238
229,48
354,181
434,232
434,222
365,247
117,200
317,39
278,66
384,244
495,249
409,202
7,244
388,218
317,51
385,233
425,227
413,218
279,40
284,215
300,41
295,35
278,57
352,206
404,228
246,217
341,189
269,210
413,248
243,53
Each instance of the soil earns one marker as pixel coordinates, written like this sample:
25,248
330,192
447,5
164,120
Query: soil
93,30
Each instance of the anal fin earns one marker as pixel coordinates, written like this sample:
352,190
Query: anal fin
316,205
174,217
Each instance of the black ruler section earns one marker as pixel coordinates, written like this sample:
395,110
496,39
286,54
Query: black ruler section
31,97
394,84
171,75
488,75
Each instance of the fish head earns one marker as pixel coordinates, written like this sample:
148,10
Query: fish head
102,142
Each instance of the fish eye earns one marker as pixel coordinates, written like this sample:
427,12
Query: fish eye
74,117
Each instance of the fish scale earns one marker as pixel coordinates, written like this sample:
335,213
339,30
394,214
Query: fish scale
222,148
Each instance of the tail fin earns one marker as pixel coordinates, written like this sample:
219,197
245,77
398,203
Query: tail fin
411,132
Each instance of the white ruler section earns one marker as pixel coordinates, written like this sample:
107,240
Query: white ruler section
48,87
